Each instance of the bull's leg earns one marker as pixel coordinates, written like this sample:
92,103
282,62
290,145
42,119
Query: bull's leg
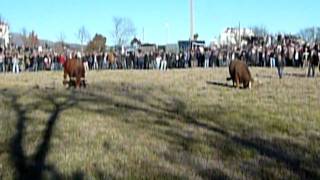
237,83
71,83
83,83
247,85
65,82
78,82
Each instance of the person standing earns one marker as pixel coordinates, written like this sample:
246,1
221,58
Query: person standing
100,60
15,64
146,61
158,61
40,62
132,60
46,62
140,60
272,58
95,62
305,57
313,62
105,60
163,62
296,57
207,57
319,56
2,69
62,60
260,56
280,63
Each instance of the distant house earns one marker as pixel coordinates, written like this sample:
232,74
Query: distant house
145,48
187,45
231,36
172,48
169,48
148,48
4,34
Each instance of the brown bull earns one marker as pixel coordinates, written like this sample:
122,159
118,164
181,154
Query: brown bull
240,74
74,69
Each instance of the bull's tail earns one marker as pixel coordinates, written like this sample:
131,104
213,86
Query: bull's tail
229,79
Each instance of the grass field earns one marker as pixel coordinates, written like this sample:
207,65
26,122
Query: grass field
185,124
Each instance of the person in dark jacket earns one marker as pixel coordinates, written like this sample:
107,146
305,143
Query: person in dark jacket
313,62
280,63
140,60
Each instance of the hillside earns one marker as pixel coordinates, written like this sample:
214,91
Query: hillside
17,40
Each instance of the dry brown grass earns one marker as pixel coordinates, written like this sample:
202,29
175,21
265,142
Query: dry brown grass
184,124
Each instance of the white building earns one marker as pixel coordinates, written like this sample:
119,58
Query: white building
4,34
231,36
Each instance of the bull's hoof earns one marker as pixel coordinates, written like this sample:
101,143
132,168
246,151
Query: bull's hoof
83,83
65,82
71,84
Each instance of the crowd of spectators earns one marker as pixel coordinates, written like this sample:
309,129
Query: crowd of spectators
280,52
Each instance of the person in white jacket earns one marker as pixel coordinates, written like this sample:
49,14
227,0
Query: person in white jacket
15,63
158,61
164,63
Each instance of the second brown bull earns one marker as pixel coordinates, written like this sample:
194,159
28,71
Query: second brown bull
240,74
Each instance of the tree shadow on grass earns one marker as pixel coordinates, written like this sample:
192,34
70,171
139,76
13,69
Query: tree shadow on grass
288,153
35,165
163,112
275,149
292,155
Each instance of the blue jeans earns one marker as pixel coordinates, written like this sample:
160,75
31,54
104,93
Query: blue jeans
2,68
272,62
15,68
206,63
141,64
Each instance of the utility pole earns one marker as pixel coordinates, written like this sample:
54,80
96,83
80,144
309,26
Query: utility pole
314,34
143,34
191,20
239,38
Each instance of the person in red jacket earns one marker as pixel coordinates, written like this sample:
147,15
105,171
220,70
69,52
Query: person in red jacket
62,60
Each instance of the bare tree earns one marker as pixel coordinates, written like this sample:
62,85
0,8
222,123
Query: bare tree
260,31
83,36
1,19
33,39
61,38
124,29
24,36
61,42
310,34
